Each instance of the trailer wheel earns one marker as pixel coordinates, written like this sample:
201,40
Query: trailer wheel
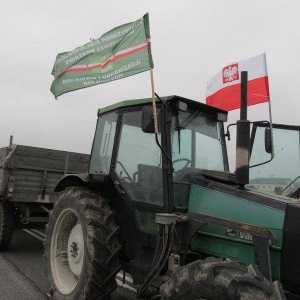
213,278
81,246
7,224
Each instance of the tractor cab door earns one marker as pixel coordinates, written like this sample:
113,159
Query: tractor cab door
277,170
132,161
138,170
138,164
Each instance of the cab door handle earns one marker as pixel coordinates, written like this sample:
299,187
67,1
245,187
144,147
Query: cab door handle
119,187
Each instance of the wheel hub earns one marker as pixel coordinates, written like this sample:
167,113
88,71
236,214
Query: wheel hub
76,250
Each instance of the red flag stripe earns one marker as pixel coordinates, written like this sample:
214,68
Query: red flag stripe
228,98
118,55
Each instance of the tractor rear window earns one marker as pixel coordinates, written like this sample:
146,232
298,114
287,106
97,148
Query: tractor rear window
103,144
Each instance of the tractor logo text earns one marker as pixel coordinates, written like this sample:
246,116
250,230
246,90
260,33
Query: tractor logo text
231,73
235,234
246,236
231,233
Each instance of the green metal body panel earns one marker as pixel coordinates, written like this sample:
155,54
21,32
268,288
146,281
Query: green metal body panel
222,242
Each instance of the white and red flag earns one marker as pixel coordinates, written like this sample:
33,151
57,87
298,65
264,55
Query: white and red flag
224,89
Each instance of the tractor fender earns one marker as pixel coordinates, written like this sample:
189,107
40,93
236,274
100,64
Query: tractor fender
72,180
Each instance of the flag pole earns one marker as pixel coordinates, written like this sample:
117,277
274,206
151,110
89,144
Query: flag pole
270,112
271,128
153,102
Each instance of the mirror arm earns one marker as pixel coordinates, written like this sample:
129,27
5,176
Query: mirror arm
227,134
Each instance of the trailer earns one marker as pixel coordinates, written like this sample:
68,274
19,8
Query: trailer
28,176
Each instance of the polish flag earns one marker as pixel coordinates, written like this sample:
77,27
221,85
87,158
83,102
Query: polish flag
224,89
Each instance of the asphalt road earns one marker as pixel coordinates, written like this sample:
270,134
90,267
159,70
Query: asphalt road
22,269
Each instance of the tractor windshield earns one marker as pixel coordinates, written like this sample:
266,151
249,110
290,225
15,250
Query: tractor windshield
197,143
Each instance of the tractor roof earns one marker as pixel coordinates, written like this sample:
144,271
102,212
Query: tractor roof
138,102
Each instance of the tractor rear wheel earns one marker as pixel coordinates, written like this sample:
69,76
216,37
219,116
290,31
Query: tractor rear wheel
213,279
81,247
7,224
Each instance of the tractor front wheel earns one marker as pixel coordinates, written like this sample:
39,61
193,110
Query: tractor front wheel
81,247
213,279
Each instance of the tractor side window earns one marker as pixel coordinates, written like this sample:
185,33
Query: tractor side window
281,175
103,144
138,164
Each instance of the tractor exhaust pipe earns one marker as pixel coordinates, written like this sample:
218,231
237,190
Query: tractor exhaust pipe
243,137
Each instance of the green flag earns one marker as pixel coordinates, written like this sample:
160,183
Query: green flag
119,53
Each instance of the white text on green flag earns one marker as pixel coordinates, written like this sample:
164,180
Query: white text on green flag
123,51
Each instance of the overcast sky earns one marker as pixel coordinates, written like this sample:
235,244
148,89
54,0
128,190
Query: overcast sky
191,41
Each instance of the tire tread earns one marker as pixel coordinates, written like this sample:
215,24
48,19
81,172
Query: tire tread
7,224
101,244
216,278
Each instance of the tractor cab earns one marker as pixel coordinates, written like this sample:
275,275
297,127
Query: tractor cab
154,171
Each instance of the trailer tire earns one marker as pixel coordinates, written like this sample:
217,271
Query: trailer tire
81,246
214,278
7,224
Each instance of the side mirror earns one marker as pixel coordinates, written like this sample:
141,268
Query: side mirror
268,140
148,120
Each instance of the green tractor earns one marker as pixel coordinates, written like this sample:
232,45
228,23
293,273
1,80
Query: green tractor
165,209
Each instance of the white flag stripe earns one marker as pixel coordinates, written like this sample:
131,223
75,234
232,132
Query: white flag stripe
256,67
121,52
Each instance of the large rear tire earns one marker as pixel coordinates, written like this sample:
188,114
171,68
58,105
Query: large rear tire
81,247
7,224
213,279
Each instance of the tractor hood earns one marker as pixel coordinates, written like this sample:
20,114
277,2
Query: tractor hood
216,194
